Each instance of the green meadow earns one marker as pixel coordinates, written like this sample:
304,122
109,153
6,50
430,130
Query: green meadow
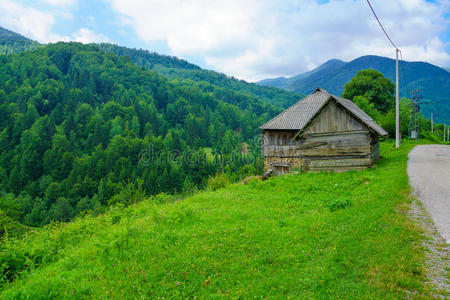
311,236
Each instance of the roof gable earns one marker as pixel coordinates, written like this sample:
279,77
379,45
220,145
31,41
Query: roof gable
333,117
299,115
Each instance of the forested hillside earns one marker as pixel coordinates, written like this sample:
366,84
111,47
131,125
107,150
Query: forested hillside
174,67
81,129
11,42
432,82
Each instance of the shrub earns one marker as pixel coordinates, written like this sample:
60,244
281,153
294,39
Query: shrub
132,193
218,181
160,198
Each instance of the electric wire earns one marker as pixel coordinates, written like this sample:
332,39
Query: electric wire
396,48
382,28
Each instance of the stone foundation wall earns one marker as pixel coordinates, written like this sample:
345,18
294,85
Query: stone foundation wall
270,162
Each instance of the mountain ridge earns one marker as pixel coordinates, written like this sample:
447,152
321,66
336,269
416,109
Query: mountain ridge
169,66
432,81
12,42
176,68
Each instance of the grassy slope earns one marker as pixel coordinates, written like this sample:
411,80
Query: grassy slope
276,238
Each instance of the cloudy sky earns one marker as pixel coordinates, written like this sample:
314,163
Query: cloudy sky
249,39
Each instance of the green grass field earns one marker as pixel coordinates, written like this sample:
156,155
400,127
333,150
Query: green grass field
320,236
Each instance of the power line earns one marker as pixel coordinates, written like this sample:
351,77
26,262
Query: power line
404,74
397,101
396,48
376,17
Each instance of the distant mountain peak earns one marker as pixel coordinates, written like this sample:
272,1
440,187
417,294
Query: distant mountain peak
433,81
6,33
12,42
333,60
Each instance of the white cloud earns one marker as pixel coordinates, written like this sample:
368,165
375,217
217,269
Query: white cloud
28,21
255,39
85,36
190,26
38,25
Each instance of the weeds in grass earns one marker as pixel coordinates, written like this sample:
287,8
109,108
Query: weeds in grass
339,204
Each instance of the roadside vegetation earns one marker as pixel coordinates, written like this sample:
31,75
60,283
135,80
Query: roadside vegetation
316,235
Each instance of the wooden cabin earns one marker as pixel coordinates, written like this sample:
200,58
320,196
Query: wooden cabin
321,132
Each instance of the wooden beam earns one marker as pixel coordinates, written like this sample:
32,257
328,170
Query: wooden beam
331,163
310,145
336,151
335,133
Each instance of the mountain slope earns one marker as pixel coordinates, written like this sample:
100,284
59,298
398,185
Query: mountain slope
173,67
11,42
80,128
170,66
148,59
432,81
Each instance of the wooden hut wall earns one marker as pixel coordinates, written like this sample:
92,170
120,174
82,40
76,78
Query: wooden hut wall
333,118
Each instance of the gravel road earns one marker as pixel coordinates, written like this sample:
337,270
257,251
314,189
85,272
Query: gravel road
429,175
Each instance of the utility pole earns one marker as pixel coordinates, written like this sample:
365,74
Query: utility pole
432,123
444,134
397,103
414,115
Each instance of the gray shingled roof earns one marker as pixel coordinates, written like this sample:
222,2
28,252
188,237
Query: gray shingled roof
299,114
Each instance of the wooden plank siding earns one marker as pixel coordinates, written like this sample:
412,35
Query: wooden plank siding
341,151
334,119
352,149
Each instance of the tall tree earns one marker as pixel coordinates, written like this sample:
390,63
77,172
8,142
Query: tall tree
373,86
